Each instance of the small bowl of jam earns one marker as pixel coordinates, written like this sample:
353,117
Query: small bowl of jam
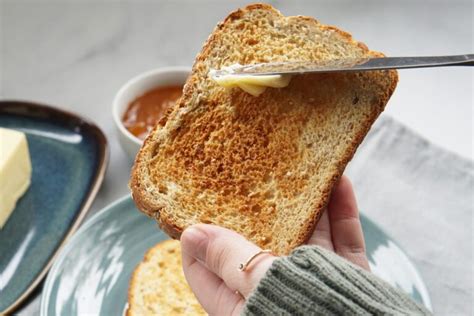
143,101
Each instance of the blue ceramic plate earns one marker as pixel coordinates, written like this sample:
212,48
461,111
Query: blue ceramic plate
92,272
69,157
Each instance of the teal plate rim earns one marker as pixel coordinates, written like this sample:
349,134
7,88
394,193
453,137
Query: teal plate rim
32,110
45,299
57,264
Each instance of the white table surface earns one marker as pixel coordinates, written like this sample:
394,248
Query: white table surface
76,55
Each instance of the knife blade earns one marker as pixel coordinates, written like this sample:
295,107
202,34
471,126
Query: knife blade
345,65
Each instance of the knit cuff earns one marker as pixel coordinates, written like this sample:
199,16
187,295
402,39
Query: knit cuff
313,280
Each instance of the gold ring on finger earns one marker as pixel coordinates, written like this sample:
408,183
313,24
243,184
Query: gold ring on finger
244,266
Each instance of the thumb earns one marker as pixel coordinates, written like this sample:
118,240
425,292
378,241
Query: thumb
221,251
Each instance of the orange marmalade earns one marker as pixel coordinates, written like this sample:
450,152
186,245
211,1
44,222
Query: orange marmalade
144,112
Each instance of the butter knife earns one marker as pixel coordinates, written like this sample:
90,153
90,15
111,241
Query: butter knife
346,65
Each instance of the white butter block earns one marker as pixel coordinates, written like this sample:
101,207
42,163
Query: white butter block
15,170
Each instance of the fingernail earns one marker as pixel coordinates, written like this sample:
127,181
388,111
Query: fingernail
196,241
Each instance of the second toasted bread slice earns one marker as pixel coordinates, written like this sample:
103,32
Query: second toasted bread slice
158,285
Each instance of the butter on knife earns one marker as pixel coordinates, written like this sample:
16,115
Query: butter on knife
254,85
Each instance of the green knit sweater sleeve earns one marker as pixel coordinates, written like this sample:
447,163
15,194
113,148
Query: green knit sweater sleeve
314,281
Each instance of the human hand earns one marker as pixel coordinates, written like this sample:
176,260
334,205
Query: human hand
211,254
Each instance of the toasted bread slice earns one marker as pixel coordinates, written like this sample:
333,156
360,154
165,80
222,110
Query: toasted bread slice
262,166
158,285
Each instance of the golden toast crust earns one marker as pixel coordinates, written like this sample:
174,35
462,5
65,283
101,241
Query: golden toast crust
236,195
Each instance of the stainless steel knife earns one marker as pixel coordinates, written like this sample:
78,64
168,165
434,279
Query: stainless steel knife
345,65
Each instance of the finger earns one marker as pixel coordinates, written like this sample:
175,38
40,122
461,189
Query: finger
347,236
222,251
211,292
322,233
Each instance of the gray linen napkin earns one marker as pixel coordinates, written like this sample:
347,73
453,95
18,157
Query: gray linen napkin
423,197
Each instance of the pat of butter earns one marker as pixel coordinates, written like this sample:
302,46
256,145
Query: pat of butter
15,170
255,85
